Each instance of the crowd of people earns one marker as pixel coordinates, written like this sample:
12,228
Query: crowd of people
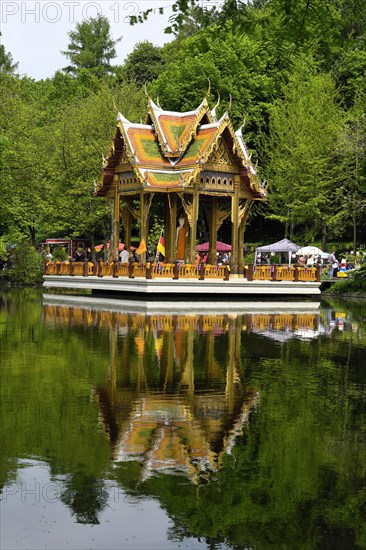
330,264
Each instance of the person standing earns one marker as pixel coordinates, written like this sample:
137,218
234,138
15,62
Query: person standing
301,261
319,264
180,240
124,256
333,265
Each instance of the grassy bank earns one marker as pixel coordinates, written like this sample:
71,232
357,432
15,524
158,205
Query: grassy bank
354,285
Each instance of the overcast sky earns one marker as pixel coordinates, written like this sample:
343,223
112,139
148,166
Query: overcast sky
36,31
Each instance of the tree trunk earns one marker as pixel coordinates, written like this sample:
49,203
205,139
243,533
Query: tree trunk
32,232
92,245
324,237
354,233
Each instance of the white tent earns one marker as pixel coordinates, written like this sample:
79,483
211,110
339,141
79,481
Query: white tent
313,250
285,246
281,246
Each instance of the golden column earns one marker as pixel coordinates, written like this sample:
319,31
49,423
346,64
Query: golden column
116,223
235,221
244,210
193,228
241,247
145,204
126,220
213,232
170,225
143,224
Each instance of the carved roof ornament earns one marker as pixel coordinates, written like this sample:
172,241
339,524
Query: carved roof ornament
115,106
145,90
208,93
213,111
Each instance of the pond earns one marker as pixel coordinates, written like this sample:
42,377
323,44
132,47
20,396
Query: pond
165,430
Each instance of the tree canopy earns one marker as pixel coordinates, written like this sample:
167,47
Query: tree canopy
91,47
7,64
294,73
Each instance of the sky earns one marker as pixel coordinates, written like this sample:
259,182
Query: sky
36,31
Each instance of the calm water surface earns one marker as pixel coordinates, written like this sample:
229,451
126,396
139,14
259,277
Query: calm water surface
163,431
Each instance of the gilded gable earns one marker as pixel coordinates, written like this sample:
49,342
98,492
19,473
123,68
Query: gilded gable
222,159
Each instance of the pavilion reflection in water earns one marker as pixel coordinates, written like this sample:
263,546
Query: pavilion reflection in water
175,397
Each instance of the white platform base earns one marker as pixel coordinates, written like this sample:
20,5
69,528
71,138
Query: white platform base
186,287
184,307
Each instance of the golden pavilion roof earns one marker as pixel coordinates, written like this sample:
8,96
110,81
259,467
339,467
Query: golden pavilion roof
171,149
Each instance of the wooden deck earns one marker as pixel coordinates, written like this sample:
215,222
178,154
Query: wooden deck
181,281
179,271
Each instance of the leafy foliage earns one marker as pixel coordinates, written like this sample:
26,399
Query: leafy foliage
354,284
304,128
26,264
7,64
91,47
293,72
143,64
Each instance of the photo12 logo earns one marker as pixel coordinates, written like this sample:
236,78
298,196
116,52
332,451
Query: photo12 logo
53,11
37,492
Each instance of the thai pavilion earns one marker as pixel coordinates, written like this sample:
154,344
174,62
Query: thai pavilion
192,162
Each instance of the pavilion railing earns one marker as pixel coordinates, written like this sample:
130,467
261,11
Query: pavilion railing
181,271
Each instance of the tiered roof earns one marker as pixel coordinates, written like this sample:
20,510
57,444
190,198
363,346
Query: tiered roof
171,148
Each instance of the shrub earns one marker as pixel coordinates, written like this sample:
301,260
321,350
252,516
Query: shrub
356,283
26,265
60,254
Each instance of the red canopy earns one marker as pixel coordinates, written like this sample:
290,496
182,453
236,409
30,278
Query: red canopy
220,247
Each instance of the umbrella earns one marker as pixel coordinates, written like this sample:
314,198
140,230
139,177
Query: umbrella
313,250
220,247
99,247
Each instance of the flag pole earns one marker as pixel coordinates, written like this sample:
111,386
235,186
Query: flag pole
157,250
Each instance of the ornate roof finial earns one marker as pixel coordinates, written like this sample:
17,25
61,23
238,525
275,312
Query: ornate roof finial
114,105
218,100
213,111
145,89
241,128
230,104
208,93
157,101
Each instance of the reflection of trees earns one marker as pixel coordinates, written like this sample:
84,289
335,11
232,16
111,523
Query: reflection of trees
296,474
297,471
85,496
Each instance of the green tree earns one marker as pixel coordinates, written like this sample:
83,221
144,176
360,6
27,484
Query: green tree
92,47
7,64
26,264
235,67
303,167
24,189
351,191
82,134
143,64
